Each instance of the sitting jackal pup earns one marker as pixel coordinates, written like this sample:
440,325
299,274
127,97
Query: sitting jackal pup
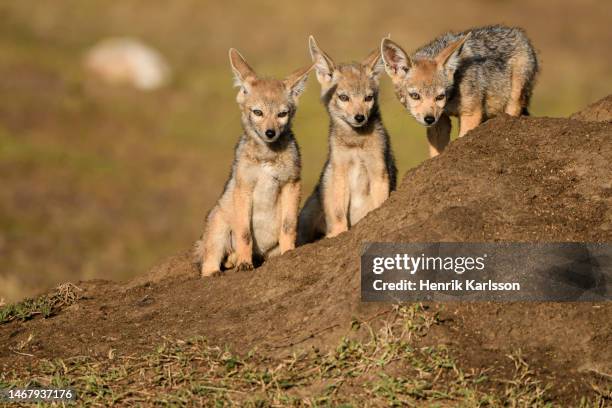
360,171
474,75
257,212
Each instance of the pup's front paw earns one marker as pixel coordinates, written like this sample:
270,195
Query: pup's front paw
287,248
209,273
244,266
334,233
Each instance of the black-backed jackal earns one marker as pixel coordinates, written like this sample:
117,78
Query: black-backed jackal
257,212
474,75
360,172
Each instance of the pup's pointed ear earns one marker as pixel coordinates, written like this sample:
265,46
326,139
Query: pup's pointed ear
296,82
396,61
374,64
323,64
243,73
449,56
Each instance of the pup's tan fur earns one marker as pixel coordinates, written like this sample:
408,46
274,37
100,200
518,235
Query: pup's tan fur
360,172
257,212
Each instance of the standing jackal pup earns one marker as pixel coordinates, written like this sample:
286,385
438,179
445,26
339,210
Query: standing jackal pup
360,172
257,212
474,75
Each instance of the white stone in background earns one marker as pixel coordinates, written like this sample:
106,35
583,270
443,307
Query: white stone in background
128,61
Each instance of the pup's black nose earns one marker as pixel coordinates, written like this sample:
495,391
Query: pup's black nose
270,133
359,118
429,119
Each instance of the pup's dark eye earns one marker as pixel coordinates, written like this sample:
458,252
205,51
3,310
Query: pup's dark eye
414,96
440,97
343,97
282,114
368,98
257,112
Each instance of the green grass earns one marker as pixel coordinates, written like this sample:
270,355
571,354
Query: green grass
374,367
46,306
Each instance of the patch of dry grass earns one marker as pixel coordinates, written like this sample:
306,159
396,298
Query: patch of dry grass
48,305
383,367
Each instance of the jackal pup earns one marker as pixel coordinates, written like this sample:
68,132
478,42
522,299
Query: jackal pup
474,75
257,212
360,171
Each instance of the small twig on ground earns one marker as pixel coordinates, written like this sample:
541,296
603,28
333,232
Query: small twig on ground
601,374
384,312
23,354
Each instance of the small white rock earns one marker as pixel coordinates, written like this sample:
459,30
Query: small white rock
127,61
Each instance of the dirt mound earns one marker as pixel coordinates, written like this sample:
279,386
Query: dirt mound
511,179
600,111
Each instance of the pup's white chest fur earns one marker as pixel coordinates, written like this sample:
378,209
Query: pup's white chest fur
266,208
360,202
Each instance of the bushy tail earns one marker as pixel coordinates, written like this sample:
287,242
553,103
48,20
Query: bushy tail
198,251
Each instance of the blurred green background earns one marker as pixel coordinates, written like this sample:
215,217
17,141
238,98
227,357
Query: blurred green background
103,182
